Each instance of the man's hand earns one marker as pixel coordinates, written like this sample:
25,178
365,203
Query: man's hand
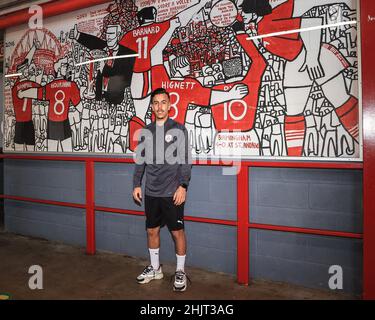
175,23
203,3
37,44
238,26
21,94
74,33
313,68
179,196
137,194
239,91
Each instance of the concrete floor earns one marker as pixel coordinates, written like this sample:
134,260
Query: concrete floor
68,273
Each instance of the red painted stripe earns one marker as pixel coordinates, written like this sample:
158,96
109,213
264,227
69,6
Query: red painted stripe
41,201
319,232
119,211
250,163
295,133
301,138
298,164
187,218
291,137
368,107
212,221
191,218
114,160
50,9
90,211
66,158
44,158
242,229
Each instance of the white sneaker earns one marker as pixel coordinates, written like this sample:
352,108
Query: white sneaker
180,281
149,274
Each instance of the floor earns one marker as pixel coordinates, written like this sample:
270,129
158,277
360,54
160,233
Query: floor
68,273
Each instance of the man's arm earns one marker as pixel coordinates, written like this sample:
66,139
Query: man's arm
180,20
38,93
79,107
87,40
137,181
302,6
143,155
186,15
312,42
120,65
39,76
138,175
156,52
238,92
185,160
31,93
256,70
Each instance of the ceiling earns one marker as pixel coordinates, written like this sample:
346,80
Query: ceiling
7,6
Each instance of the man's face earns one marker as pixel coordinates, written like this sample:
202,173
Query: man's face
32,70
161,106
25,71
209,71
63,69
112,36
248,17
216,68
185,71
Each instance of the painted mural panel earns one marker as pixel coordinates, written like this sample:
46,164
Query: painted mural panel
248,78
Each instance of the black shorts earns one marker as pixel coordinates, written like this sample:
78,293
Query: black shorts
24,133
162,211
58,130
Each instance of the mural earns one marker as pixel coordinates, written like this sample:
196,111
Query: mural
248,78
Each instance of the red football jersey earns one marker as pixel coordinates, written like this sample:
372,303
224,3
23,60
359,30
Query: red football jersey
240,115
142,40
60,93
182,92
286,46
22,107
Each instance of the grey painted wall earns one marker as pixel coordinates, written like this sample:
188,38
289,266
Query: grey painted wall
326,199
1,102
1,192
207,195
51,180
310,198
49,222
305,259
307,198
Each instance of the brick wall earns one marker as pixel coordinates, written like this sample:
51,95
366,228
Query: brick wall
328,199
307,198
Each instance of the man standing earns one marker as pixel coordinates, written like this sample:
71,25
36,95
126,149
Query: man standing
165,156
24,139
116,74
64,97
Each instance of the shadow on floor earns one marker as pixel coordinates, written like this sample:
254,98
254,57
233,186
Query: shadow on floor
68,273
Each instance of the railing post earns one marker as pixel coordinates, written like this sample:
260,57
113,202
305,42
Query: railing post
242,226
368,107
90,207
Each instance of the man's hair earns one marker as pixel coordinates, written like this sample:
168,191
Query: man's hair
159,91
117,26
25,63
260,7
148,13
178,62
